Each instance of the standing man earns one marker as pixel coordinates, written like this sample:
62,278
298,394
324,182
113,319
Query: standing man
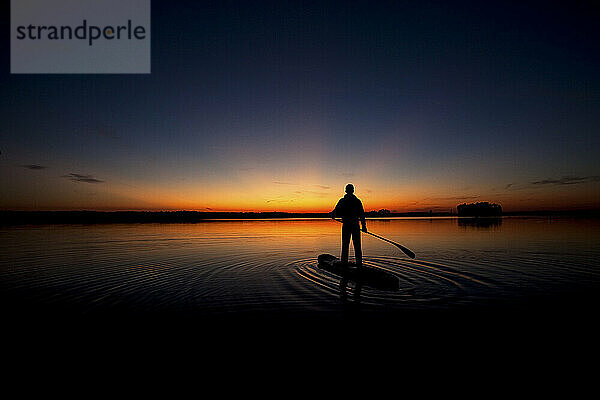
351,210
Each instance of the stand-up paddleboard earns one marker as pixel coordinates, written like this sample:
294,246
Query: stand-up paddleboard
368,276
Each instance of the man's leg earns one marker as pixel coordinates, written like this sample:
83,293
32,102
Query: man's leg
357,246
345,243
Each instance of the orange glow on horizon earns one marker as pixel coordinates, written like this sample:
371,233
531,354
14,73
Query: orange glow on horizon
309,191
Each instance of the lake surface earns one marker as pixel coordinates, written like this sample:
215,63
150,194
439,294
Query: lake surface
268,268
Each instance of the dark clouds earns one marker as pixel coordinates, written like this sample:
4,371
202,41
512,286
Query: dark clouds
568,180
34,166
82,178
564,181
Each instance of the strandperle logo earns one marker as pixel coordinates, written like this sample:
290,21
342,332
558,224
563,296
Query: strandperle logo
82,32
80,36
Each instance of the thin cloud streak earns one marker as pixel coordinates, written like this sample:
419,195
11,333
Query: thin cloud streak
82,178
568,180
34,166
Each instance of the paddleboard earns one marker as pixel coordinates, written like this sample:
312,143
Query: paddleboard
375,278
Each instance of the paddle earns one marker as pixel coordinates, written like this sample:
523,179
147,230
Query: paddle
404,249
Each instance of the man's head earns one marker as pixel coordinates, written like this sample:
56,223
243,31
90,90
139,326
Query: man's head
349,188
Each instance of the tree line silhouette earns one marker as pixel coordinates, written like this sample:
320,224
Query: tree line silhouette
480,209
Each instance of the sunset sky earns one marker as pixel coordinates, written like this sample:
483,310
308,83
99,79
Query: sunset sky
277,105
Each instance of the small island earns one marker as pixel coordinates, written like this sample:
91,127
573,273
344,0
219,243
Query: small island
480,209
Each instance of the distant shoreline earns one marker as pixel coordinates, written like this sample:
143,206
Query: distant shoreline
110,217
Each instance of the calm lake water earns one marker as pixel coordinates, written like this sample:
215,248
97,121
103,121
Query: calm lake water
269,267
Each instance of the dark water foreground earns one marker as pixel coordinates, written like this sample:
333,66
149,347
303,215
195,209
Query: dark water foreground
255,286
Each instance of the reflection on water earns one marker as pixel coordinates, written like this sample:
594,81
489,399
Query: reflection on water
345,287
488,222
270,267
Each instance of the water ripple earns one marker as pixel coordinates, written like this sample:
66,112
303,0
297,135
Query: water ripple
264,268
420,281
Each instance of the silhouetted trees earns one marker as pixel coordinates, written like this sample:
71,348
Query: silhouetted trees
381,213
480,209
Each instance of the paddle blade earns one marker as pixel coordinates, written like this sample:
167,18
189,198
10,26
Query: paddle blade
406,251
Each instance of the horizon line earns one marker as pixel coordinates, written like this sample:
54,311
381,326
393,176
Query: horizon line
428,211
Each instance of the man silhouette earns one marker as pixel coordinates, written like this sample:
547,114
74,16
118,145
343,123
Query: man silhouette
350,209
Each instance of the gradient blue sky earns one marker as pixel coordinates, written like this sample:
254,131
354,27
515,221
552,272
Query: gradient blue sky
277,105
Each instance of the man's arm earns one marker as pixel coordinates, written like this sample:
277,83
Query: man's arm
336,210
363,221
